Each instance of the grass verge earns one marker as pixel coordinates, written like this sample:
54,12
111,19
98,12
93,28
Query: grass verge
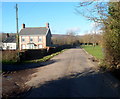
34,61
9,62
97,52
94,51
44,58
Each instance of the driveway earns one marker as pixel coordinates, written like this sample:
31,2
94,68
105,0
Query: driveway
69,74
72,74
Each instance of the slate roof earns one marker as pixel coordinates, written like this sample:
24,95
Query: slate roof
3,36
34,31
11,39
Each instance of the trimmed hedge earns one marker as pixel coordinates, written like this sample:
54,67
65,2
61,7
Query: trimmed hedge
31,54
9,56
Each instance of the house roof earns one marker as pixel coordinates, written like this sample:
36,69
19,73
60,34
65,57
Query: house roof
34,31
3,36
10,39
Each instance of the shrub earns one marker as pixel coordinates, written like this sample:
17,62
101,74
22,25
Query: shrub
112,35
9,56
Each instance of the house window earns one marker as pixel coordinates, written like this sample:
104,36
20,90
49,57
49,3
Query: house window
40,39
23,39
8,47
23,46
40,46
31,39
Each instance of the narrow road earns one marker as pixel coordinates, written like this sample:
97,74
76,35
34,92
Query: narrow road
72,74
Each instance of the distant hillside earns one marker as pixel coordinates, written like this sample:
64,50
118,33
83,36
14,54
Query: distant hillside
59,35
60,39
63,36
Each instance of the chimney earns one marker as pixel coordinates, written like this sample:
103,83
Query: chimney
7,35
47,25
23,25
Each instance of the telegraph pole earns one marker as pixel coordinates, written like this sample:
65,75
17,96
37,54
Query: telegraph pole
17,36
17,26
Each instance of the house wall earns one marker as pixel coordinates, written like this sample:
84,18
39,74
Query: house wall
10,46
35,41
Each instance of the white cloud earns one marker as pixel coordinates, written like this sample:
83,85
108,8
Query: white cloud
94,24
74,29
95,31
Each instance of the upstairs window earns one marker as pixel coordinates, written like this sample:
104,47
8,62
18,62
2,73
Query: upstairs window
31,39
23,39
40,39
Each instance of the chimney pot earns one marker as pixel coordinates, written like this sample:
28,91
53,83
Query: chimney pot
23,25
7,35
47,25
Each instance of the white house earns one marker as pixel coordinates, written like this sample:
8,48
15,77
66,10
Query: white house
9,43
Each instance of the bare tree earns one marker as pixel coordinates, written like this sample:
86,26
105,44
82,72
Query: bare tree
95,10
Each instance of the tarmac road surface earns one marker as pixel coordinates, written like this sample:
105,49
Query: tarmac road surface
72,74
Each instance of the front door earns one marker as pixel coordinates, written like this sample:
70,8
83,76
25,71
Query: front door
31,46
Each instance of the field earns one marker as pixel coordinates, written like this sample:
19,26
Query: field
94,51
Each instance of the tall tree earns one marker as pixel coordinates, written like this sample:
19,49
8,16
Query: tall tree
112,35
107,13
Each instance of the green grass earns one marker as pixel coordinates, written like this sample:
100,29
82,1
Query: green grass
8,62
94,51
44,58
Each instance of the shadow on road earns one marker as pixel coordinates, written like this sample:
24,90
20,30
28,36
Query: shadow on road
23,66
86,85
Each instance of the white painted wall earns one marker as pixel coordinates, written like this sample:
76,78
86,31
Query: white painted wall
11,46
